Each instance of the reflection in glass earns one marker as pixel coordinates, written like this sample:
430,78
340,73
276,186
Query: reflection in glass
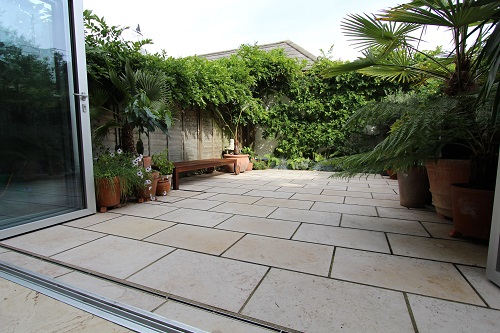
40,173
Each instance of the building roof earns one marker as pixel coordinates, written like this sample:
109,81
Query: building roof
291,49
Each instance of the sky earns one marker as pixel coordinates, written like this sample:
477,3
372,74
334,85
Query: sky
189,27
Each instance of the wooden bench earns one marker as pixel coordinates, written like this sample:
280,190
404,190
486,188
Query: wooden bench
201,164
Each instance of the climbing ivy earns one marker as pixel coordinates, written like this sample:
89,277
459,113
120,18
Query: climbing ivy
295,104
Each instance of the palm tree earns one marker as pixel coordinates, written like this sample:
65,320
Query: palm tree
136,100
470,69
390,49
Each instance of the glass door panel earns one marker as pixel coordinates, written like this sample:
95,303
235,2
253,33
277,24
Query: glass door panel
41,174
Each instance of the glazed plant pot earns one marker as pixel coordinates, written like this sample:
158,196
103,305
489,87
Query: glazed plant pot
413,187
472,211
442,173
108,193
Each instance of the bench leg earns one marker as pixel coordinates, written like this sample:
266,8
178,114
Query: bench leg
175,180
236,169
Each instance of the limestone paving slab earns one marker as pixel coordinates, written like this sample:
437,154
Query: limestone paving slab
194,188
25,310
386,196
418,276
440,316
196,217
33,264
489,291
168,198
196,204
182,194
204,320
439,249
228,190
345,193
196,238
299,190
260,226
131,227
440,230
235,198
204,195
244,209
114,256
383,224
253,186
90,220
113,291
318,197
269,194
52,240
372,202
288,254
145,210
216,281
410,214
345,237
315,304
275,202
343,208
308,216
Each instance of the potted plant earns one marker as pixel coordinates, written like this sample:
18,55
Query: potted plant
165,167
114,178
470,68
251,157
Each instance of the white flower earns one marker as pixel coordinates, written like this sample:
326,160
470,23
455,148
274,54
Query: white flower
149,188
139,173
140,157
112,154
164,193
148,169
119,151
135,163
147,182
153,198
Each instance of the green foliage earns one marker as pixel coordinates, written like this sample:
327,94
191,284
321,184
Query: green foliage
259,165
110,164
299,163
310,118
161,162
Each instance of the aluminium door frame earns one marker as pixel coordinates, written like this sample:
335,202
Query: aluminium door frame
80,106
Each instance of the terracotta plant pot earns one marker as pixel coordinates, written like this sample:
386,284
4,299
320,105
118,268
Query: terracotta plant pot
163,187
413,187
442,173
472,211
242,162
147,161
108,194
249,166
148,192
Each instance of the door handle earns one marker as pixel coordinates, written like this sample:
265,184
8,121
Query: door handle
83,96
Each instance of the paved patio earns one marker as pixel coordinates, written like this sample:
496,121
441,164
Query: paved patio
294,250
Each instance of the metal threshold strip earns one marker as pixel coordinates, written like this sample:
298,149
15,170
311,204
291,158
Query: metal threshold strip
119,313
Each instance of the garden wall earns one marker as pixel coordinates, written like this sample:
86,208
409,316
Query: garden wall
193,135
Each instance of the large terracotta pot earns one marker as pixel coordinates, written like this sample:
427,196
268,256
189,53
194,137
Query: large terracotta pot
242,162
442,173
108,193
249,166
472,211
413,187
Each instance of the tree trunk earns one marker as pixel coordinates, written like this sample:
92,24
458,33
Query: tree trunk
128,139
